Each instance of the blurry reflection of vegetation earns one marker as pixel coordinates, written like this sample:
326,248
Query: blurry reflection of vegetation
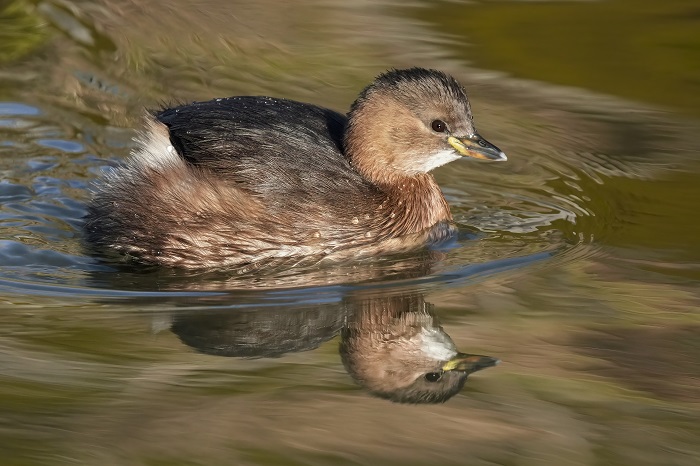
21,30
638,49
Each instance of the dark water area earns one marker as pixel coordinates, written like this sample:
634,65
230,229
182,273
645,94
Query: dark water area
577,264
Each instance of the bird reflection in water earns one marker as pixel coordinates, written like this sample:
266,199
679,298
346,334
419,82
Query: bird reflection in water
393,346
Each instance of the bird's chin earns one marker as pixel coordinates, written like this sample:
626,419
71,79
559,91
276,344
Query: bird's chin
438,159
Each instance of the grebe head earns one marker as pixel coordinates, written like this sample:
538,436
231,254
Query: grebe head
394,347
408,122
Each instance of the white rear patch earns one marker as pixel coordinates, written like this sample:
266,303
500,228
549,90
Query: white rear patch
156,150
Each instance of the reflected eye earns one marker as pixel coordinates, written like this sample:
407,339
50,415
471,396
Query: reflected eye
438,126
433,376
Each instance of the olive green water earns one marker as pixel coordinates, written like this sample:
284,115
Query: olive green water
578,263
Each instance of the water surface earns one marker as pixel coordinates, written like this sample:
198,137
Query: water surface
577,263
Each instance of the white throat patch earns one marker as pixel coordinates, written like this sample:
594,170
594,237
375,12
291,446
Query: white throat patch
439,159
437,345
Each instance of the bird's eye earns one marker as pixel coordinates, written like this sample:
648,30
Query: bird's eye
433,376
438,126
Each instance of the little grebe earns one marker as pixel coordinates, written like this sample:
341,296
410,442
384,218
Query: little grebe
244,181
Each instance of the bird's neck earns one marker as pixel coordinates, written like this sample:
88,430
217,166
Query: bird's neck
414,204
410,203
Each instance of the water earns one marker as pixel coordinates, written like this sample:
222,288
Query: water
578,262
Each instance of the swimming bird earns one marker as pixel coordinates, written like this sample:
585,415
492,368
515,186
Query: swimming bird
249,181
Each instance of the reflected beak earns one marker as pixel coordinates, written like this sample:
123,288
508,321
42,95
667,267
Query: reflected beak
477,147
469,363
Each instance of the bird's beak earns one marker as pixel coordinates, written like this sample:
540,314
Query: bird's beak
469,363
477,147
